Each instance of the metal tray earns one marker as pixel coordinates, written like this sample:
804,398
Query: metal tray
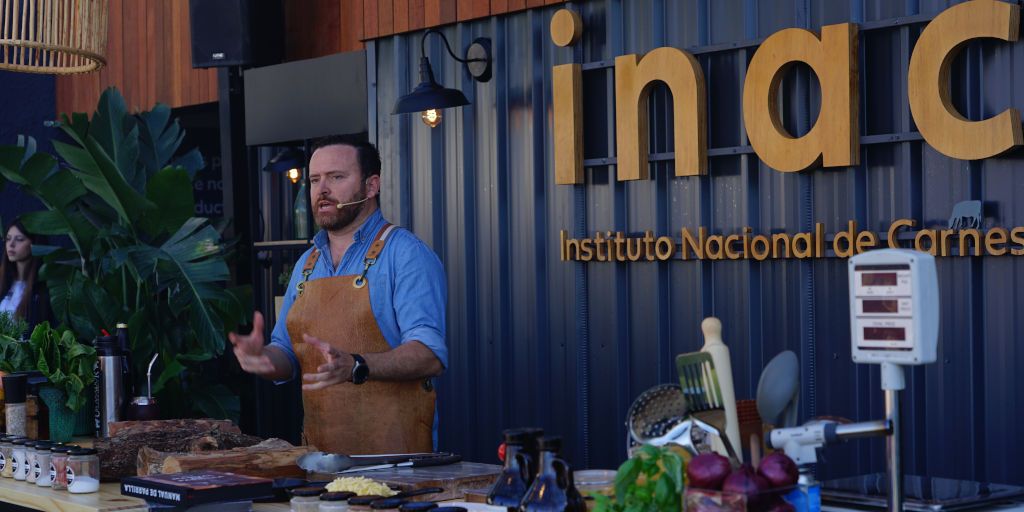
920,493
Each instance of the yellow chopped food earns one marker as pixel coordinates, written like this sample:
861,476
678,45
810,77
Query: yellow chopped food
360,485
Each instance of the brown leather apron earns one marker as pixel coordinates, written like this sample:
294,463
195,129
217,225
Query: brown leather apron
374,417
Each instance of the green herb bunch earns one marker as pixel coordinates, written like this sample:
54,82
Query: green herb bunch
66,363
12,327
650,482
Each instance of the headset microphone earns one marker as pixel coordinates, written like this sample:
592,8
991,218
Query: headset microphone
342,205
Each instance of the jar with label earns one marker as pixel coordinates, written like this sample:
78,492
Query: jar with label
357,503
5,452
41,468
17,465
306,499
387,504
59,466
83,471
32,456
335,501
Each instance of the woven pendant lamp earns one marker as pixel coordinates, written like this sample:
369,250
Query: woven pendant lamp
53,36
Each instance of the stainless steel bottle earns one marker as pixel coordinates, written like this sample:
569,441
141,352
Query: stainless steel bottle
109,386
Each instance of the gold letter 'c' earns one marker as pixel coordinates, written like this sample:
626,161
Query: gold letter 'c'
928,81
834,139
634,77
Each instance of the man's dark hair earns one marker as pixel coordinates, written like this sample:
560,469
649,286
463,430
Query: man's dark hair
366,153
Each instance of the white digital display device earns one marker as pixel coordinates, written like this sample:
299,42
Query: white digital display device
894,307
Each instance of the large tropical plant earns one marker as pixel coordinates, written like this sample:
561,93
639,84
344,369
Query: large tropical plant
137,253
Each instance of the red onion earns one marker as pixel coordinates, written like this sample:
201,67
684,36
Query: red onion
779,470
746,481
708,471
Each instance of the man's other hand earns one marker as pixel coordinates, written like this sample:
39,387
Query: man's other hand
250,351
336,369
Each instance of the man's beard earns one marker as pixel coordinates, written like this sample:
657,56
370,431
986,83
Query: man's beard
339,218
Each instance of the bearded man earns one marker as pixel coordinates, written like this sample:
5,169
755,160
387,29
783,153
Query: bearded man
363,318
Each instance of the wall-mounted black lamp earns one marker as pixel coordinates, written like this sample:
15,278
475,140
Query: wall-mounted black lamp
429,97
289,160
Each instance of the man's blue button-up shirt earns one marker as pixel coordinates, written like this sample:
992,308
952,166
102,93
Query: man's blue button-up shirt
408,289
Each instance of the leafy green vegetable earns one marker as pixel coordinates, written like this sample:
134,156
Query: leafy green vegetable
12,326
66,363
650,482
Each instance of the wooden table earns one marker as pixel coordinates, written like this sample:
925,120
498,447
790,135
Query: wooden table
107,499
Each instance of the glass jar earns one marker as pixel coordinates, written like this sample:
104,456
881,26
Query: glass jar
5,453
30,459
83,471
41,465
18,462
59,466
362,502
387,504
306,499
335,501
15,412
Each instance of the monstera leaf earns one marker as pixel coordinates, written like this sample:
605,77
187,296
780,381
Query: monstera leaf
137,253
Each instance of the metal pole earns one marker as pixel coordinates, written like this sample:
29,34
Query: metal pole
894,458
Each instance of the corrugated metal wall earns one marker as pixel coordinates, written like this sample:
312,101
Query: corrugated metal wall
568,345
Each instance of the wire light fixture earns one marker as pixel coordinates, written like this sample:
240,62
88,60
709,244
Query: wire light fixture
53,36
429,97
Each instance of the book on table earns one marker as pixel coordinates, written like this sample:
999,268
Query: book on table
196,487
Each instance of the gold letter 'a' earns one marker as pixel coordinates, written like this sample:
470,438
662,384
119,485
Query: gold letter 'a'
834,139
634,79
928,81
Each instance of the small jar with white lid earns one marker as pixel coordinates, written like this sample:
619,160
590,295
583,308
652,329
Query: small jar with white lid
335,501
83,471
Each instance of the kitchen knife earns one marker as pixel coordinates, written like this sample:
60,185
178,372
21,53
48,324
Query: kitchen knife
439,459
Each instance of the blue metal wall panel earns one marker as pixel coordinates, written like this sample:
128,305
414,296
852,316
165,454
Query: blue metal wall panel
568,345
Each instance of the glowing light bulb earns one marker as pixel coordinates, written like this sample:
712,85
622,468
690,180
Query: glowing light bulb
293,174
432,117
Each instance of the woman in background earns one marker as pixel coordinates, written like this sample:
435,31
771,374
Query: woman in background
21,292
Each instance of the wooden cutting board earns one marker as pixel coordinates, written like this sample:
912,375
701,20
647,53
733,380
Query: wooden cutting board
455,479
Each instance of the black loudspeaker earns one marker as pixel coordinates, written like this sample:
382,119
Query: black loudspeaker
236,32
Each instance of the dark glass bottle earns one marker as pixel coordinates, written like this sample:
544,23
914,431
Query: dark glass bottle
515,476
553,489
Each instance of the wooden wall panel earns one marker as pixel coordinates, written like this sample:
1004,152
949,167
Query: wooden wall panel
149,48
149,59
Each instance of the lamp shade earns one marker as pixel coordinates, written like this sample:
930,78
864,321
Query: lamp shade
429,94
286,160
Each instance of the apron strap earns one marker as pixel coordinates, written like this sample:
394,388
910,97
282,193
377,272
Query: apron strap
371,255
307,270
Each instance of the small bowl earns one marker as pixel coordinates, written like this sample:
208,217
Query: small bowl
601,481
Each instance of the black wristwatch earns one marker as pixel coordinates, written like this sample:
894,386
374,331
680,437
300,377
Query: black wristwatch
360,372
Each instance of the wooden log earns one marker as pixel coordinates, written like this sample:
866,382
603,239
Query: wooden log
272,458
119,453
197,425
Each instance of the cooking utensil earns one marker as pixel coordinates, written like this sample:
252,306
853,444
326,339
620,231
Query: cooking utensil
711,327
778,390
324,462
655,413
699,383
433,459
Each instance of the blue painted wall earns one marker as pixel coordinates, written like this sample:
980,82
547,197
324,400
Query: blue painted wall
568,346
26,101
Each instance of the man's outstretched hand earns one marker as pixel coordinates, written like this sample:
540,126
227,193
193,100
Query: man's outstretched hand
249,349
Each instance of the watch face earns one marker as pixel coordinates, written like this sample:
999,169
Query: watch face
360,372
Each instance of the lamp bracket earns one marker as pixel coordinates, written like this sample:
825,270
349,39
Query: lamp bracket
478,55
